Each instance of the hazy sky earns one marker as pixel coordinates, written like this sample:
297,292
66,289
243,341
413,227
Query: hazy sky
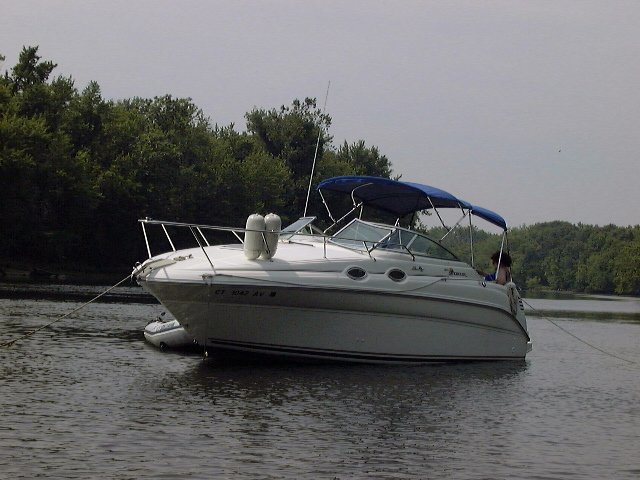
528,108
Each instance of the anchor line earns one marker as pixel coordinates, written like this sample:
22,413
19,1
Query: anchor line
578,338
10,343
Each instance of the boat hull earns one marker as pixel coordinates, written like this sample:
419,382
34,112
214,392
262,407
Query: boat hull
339,324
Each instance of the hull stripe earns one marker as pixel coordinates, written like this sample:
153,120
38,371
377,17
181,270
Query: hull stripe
344,354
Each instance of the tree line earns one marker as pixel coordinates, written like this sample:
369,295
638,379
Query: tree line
77,171
560,256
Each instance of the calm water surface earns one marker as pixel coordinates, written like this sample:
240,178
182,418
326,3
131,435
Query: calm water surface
88,398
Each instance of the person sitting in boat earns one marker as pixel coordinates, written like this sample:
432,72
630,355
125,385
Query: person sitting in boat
502,275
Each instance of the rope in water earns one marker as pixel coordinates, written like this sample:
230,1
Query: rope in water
10,343
578,338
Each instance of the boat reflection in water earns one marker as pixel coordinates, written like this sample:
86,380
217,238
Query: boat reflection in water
370,292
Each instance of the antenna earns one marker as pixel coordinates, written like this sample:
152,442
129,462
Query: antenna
315,156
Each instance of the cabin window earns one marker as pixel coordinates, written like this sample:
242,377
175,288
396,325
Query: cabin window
396,275
356,273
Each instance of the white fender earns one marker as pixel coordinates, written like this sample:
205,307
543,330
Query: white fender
512,293
253,242
273,225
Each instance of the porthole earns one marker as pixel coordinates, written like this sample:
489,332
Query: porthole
396,275
356,273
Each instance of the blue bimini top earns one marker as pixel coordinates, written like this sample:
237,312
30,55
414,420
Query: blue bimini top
398,198
402,198
489,216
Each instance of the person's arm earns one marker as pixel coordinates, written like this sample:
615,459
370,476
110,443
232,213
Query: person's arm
503,276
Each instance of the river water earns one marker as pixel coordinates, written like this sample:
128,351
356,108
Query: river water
88,398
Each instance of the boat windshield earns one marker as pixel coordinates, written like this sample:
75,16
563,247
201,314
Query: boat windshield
415,243
359,235
296,227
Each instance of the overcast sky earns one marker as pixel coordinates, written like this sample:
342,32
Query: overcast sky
528,108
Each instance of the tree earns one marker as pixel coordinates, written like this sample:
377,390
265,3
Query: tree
39,176
29,71
291,134
364,160
627,265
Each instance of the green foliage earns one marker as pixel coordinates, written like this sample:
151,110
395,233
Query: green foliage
29,72
363,160
581,258
559,255
77,171
292,134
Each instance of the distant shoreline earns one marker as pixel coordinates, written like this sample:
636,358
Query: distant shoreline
31,272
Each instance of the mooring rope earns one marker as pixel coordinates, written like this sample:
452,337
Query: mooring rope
578,338
10,343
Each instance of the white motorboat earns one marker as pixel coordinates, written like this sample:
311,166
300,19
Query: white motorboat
371,292
167,334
